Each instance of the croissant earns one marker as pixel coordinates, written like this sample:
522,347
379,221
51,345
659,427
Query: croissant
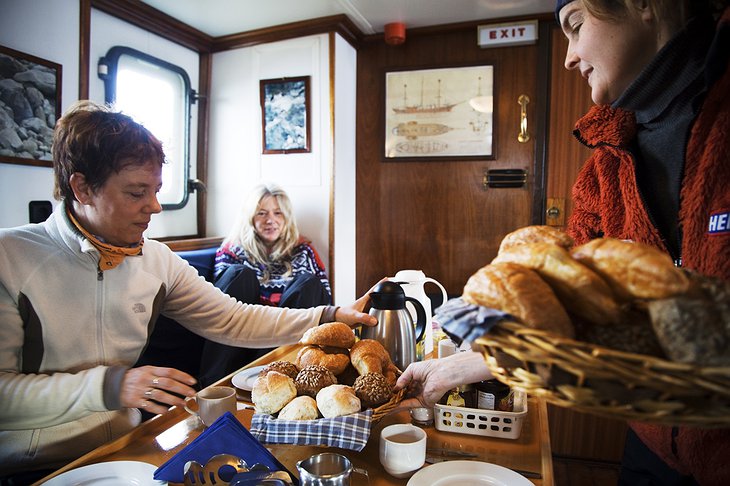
334,359
369,356
581,290
633,270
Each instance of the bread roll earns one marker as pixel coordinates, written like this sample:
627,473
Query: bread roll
369,356
579,288
633,270
300,408
336,334
334,359
272,391
285,367
536,234
311,379
337,400
521,292
372,389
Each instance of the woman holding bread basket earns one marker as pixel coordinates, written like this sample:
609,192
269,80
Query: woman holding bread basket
660,129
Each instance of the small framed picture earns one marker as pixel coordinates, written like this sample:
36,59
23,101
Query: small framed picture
285,115
30,88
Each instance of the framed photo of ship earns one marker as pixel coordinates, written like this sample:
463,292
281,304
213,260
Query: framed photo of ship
439,114
30,88
285,115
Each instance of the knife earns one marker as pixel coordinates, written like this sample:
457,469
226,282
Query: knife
450,453
433,459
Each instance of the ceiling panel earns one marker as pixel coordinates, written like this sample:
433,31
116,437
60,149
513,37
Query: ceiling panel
222,17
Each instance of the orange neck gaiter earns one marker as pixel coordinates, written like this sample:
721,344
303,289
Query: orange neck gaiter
110,255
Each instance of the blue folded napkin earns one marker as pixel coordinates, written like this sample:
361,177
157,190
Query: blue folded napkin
347,432
225,436
463,321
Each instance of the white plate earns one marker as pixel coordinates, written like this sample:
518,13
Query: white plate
473,473
244,379
114,473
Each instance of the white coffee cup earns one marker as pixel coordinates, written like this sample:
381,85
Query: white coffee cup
212,402
402,449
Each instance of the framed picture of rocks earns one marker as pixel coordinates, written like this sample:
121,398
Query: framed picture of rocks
30,104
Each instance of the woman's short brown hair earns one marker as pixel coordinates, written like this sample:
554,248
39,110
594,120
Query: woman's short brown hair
97,141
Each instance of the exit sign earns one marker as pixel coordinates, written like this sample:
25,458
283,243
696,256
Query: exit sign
510,34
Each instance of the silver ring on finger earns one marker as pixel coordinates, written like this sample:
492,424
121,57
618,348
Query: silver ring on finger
149,392
156,381
145,403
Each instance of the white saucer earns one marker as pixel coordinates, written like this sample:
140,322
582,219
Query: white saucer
473,473
244,379
113,473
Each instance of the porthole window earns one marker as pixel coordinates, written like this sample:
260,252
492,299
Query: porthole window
157,94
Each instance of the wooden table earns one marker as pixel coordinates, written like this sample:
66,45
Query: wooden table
160,438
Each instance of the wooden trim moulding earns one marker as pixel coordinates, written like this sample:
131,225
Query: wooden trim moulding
204,81
148,18
335,23
84,47
193,243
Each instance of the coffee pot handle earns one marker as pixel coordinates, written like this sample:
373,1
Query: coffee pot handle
444,295
420,317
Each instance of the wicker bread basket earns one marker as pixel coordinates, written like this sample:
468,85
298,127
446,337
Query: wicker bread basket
602,381
389,406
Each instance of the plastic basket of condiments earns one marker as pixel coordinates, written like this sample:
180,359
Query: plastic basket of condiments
478,421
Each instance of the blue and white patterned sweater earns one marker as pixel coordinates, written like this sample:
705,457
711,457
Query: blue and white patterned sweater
304,259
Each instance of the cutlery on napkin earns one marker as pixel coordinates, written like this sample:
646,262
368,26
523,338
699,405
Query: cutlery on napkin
225,436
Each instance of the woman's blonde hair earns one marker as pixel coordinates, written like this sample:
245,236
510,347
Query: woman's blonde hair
244,234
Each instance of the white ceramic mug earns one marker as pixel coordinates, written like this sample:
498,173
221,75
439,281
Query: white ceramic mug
402,449
212,402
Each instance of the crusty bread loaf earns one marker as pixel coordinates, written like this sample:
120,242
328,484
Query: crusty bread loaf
336,334
337,400
521,292
633,270
536,234
334,359
580,289
694,327
300,408
272,391
369,356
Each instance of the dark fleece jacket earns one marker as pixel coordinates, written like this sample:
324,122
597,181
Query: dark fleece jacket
608,204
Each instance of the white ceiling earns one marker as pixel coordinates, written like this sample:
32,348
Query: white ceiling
222,17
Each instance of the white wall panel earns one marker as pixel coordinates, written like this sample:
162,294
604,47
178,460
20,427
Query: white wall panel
40,28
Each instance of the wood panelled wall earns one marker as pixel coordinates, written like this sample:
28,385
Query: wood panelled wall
435,215
573,434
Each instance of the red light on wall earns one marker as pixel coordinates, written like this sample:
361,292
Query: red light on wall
395,33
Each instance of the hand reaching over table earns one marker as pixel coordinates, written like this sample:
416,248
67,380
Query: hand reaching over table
155,389
356,314
427,381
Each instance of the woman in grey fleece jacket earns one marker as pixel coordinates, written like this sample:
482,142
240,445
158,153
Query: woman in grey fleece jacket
79,295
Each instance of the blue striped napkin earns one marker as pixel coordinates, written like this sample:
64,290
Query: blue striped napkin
463,321
346,432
